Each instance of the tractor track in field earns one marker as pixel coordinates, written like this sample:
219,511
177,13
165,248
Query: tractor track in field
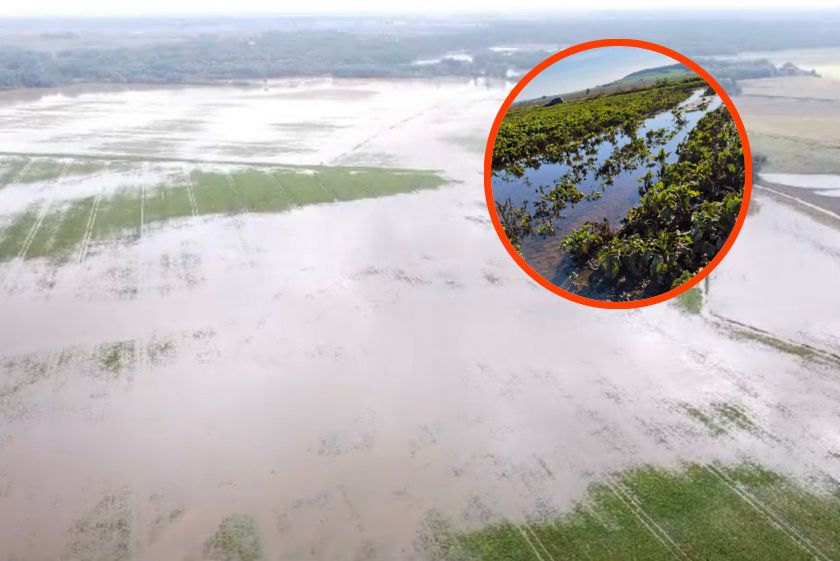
636,509
236,193
22,171
539,541
530,543
42,214
33,231
191,193
292,198
83,251
764,510
767,513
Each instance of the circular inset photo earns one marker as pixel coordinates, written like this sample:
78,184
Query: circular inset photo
618,173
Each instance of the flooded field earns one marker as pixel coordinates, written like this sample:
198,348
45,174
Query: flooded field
304,121
794,122
222,370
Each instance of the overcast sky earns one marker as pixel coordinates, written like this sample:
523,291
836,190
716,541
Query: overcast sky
591,68
11,8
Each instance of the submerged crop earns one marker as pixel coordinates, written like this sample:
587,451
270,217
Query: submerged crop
683,219
642,188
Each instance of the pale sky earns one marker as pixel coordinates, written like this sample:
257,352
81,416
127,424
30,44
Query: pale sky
11,8
591,68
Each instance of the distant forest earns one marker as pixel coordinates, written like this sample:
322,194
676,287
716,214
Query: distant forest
184,51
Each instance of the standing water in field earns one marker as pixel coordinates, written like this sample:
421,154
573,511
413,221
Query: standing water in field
603,199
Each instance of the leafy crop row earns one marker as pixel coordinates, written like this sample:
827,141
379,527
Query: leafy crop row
533,135
682,221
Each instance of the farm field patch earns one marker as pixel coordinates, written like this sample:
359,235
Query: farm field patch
225,359
48,229
739,512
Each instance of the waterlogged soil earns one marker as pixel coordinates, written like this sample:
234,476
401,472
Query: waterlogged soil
304,121
318,383
544,253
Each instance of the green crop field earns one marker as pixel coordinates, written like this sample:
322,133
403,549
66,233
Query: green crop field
60,229
741,513
532,135
682,220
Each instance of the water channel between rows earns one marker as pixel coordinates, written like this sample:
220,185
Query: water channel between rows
543,253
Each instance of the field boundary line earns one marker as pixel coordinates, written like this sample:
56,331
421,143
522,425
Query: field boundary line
658,532
190,193
774,519
530,544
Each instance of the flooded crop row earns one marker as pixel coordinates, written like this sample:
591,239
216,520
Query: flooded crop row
604,198
620,196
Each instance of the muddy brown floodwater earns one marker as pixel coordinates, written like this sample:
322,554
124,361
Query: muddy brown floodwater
341,372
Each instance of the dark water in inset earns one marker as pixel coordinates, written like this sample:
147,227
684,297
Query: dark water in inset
544,253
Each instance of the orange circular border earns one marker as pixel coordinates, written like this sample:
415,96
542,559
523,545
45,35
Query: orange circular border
488,169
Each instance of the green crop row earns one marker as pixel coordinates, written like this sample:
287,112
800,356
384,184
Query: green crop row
61,229
532,135
744,513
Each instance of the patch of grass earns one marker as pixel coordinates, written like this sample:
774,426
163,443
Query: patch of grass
61,230
10,168
379,183
261,192
649,514
237,539
788,347
735,415
166,203
65,226
14,231
118,216
815,515
690,301
42,169
117,357
214,193
19,372
707,518
745,332
104,534
304,188
722,418
85,167
161,351
706,419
